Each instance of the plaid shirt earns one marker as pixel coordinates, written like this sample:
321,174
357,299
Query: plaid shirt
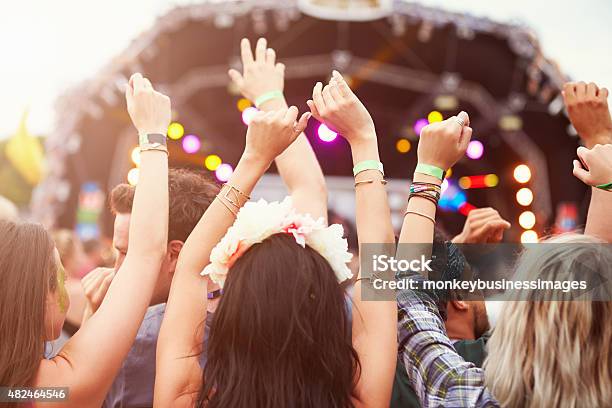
440,377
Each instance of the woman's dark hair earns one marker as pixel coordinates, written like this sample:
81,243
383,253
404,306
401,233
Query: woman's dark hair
281,336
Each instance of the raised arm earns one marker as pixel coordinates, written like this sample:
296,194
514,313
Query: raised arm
262,82
437,373
89,362
374,322
587,106
441,145
597,173
179,375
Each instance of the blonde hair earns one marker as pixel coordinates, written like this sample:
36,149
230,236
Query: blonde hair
547,349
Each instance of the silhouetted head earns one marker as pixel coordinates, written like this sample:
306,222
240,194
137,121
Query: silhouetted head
281,335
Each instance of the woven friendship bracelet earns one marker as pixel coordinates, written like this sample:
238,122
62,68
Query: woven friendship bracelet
433,199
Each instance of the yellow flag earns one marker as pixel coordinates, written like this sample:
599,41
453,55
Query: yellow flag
26,154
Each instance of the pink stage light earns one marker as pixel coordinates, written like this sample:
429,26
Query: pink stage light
224,172
419,125
326,134
248,114
475,150
191,144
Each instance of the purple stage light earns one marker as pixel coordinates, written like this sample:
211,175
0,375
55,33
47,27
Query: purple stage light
191,144
419,125
224,172
475,150
248,114
326,134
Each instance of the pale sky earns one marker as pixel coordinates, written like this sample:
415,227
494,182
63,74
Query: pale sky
47,46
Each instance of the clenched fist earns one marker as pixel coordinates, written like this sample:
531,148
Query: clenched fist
482,226
270,133
150,110
598,162
95,285
442,144
587,106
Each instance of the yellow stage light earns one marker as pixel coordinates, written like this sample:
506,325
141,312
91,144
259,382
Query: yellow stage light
491,180
435,116
212,162
529,237
527,219
403,145
524,196
465,182
175,131
132,176
243,103
522,173
449,173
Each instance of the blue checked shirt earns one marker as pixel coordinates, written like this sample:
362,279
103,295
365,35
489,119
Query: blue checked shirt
440,377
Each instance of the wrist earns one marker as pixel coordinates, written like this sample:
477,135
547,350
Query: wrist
599,138
254,163
146,130
273,104
365,149
426,178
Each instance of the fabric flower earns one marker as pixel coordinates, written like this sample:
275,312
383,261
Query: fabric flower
259,220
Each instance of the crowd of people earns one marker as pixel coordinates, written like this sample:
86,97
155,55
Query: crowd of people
216,300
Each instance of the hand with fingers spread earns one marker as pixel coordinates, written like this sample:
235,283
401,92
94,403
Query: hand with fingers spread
598,162
261,73
270,133
442,144
482,226
587,106
339,108
150,110
95,285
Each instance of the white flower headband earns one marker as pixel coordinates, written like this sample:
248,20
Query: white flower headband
259,220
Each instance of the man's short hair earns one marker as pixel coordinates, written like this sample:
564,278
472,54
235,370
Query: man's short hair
190,191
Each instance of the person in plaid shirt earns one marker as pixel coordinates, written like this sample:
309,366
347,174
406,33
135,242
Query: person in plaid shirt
550,348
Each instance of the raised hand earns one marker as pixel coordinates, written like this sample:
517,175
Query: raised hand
270,133
442,144
261,73
150,110
598,162
587,106
482,226
95,285
339,108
